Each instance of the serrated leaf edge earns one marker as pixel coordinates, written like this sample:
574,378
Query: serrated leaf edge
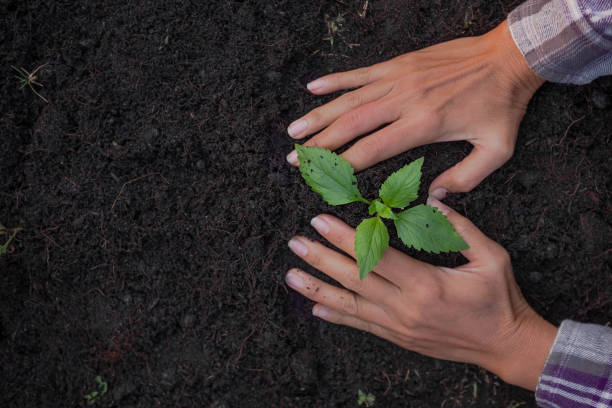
421,160
434,251
299,149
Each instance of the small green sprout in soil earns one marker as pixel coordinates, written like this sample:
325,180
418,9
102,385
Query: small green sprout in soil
164,42
4,231
94,395
421,227
26,78
365,399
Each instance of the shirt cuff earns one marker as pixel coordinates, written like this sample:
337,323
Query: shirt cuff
567,41
578,371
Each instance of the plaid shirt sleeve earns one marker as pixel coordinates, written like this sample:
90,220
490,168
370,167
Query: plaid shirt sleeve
578,371
567,41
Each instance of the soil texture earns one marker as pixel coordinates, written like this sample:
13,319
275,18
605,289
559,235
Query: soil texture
156,204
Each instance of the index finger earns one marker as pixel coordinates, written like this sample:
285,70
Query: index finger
395,266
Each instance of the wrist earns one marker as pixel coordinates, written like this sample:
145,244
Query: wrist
510,62
521,356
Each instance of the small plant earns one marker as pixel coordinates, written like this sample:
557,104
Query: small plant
28,78
94,395
334,26
365,399
422,227
4,231
164,42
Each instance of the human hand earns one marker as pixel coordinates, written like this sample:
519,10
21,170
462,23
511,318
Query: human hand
474,313
474,89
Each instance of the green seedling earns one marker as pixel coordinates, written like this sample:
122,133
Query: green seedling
164,42
365,399
421,227
94,395
29,78
3,231
334,25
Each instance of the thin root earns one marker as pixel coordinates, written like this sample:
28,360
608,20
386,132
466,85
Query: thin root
29,78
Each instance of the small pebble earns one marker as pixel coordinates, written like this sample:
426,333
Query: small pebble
551,251
150,135
528,178
168,377
188,320
600,99
535,276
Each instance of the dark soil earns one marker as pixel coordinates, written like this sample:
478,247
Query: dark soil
156,205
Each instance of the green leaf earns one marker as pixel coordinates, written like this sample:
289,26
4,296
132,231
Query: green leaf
402,187
361,397
329,175
424,227
371,240
377,207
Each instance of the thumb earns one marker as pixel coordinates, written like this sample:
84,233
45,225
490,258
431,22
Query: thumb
481,249
468,173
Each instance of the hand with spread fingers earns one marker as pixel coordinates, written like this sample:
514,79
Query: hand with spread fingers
474,313
474,89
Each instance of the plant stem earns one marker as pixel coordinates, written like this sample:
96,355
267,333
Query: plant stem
4,247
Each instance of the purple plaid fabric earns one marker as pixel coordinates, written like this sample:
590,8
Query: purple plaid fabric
578,371
568,41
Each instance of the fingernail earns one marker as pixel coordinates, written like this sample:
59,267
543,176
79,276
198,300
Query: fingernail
320,225
294,280
297,247
315,85
292,158
439,193
320,312
297,127
435,203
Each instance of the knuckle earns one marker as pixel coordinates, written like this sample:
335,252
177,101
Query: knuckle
463,226
428,294
504,149
464,180
354,283
350,304
413,319
315,116
362,75
351,120
311,285
343,238
314,258
352,99
369,148
500,258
